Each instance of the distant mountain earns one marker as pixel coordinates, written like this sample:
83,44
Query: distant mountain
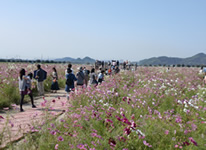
199,59
78,60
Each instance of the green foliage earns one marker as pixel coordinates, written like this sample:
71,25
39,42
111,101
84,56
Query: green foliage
9,95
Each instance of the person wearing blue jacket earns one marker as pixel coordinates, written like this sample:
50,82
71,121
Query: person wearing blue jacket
40,76
70,78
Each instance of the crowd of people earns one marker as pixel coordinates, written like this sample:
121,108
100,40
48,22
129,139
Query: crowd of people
81,79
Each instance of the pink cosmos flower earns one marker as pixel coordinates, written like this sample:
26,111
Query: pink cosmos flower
56,146
93,134
108,120
80,146
133,116
93,143
166,132
193,141
127,130
60,138
52,125
112,142
43,104
125,120
118,118
178,120
63,103
53,132
145,143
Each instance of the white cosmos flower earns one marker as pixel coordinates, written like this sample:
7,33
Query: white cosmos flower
101,101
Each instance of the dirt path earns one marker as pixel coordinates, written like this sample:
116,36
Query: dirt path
15,124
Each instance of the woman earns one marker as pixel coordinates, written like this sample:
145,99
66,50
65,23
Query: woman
93,77
70,78
101,77
25,88
80,77
55,85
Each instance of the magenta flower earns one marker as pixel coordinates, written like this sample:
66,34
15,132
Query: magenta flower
93,134
1,117
53,100
118,118
193,141
125,120
43,104
53,132
124,99
52,125
186,143
93,143
127,130
112,142
60,138
108,120
178,120
133,116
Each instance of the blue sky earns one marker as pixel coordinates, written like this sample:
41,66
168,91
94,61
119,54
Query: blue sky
102,29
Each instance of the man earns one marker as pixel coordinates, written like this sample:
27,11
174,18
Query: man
40,75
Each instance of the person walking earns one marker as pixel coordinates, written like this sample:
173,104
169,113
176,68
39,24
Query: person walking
55,85
40,75
101,77
93,78
25,88
80,77
86,76
70,78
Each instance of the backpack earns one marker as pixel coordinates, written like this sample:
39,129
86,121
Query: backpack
69,82
45,74
86,72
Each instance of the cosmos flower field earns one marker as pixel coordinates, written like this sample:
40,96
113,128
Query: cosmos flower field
150,108
9,72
